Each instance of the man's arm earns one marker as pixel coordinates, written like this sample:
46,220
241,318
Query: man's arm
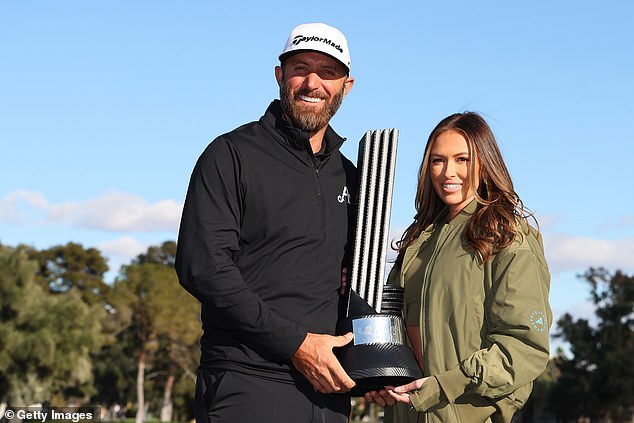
208,246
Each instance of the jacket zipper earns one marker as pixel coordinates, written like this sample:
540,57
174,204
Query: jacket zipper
313,162
319,191
426,286
320,199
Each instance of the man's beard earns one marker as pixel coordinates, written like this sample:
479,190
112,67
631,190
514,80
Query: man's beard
307,119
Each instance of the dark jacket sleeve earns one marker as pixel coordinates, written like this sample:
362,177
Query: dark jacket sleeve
208,247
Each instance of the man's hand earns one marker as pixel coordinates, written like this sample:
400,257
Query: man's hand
316,361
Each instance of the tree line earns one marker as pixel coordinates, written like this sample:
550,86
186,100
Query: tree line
131,346
67,336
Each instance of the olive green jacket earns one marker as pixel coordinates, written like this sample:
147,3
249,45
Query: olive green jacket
484,327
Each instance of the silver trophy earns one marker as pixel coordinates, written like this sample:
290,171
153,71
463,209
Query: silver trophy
378,355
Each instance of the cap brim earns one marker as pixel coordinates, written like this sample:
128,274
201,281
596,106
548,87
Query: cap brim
288,54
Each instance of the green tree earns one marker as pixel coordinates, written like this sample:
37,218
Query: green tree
164,254
164,321
179,329
132,293
598,381
114,366
71,267
45,340
177,322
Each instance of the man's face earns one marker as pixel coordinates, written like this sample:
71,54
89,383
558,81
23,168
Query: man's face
312,87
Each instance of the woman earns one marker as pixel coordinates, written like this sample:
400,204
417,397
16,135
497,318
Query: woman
476,285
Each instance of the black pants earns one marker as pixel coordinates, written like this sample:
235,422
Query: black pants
227,396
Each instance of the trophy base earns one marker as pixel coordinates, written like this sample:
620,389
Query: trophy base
375,366
376,383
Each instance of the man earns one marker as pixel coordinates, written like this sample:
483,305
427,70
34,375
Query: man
262,241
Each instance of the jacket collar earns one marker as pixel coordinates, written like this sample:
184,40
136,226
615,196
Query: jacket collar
464,214
441,219
282,130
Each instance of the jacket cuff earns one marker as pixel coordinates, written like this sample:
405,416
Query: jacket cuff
426,396
453,383
293,346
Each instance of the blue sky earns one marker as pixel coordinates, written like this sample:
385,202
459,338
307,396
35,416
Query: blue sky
105,106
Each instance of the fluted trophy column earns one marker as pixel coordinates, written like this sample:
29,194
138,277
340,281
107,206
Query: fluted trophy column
379,355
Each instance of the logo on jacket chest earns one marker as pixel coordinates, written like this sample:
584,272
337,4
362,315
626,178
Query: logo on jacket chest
345,196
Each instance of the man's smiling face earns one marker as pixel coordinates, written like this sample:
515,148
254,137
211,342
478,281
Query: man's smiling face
312,87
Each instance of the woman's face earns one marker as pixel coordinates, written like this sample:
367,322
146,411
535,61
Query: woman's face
449,168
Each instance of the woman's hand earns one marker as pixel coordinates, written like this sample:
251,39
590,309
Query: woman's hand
391,395
382,398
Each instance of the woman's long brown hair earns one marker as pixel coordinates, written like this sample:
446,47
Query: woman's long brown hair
500,212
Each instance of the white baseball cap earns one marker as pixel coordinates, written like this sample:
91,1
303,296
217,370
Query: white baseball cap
318,37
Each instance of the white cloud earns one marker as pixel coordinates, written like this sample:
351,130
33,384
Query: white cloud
112,211
570,252
117,211
18,205
125,248
119,252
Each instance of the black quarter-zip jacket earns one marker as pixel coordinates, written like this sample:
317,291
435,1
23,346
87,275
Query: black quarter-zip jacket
263,236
